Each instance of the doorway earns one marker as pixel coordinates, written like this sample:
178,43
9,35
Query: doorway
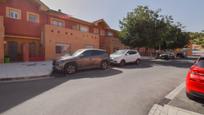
12,51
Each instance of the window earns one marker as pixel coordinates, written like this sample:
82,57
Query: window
98,53
32,17
110,34
131,52
13,13
75,27
87,53
57,22
84,28
200,62
62,48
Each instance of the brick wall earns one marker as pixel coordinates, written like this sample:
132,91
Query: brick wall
57,35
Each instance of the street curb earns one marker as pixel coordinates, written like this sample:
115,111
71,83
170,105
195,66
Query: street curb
24,78
155,110
175,92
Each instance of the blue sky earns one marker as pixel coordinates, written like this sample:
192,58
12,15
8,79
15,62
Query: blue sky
188,12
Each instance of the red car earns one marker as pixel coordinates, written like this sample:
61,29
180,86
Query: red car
195,81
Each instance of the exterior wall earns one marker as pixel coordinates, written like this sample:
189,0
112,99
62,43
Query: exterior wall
1,39
111,44
21,42
22,26
55,35
46,36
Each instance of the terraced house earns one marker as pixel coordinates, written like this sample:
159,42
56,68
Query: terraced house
31,31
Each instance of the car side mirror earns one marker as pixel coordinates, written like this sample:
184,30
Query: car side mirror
127,54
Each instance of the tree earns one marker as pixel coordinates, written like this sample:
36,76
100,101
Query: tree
138,27
144,27
197,38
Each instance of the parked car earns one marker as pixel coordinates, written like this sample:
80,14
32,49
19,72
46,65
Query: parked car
167,55
195,80
180,55
197,52
122,57
82,59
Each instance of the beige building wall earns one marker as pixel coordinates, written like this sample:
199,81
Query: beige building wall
74,39
2,32
111,44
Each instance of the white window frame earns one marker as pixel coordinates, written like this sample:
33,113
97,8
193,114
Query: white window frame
37,17
110,34
57,22
84,28
65,49
13,13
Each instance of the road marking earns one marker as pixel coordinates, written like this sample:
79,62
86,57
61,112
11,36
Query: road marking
175,92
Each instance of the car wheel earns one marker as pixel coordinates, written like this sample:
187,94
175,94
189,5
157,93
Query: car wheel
104,65
122,63
70,68
137,61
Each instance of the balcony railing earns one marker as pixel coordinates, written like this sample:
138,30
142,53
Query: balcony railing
71,32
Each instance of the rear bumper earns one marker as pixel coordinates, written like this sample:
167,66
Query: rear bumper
194,86
195,96
195,90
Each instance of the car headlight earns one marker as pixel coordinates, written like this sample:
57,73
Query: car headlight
115,58
60,62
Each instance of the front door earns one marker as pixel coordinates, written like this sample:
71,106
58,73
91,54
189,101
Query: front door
85,60
131,56
13,50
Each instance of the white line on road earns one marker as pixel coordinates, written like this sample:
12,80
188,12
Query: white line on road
175,92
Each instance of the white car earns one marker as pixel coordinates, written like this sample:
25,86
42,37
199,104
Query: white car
122,57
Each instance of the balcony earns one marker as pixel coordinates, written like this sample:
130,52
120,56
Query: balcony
66,32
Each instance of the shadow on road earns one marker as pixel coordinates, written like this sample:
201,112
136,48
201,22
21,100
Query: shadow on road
150,63
13,94
92,73
143,64
173,63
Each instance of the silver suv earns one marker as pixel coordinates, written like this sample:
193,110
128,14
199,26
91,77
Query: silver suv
82,59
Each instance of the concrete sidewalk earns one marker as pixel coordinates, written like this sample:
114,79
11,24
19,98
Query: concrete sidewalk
25,70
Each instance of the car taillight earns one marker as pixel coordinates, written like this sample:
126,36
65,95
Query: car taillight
195,75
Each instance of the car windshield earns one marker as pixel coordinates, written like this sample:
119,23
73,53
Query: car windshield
78,52
119,52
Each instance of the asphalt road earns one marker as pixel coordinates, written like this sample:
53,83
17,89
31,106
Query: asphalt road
131,90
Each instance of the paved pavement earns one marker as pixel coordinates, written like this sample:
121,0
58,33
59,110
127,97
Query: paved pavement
170,110
181,101
25,70
131,90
